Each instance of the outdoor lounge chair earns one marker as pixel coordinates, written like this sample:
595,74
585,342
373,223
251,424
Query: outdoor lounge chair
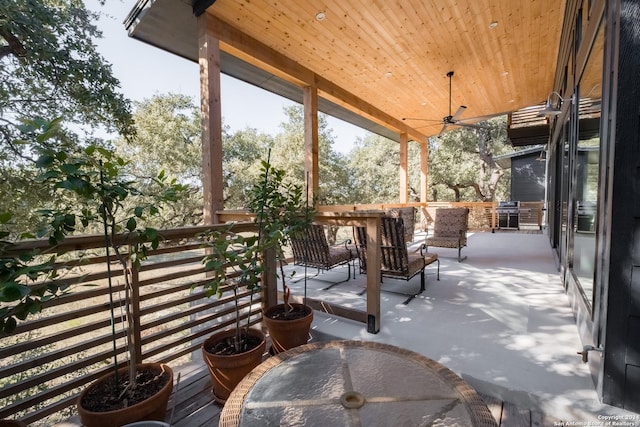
449,229
397,261
312,250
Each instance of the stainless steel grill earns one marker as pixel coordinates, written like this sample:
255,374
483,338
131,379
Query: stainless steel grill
508,214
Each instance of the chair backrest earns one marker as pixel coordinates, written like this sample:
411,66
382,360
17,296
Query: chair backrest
311,246
393,247
408,216
451,222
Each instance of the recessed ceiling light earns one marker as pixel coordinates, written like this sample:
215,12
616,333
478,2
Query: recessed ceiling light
493,24
424,103
320,16
505,73
388,74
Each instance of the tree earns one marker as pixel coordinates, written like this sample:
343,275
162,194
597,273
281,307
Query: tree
242,153
375,163
288,154
462,165
49,68
167,138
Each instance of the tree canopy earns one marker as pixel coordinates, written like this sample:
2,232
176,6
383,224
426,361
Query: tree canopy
49,67
462,165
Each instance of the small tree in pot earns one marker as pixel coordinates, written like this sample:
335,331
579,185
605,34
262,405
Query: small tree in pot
282,210
97,182
233,262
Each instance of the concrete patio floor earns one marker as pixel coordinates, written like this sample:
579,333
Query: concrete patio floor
500,320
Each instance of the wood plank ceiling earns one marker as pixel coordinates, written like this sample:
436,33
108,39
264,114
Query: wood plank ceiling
395,54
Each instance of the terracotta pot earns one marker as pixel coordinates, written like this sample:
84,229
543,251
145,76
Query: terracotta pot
287,333
228,370
153,408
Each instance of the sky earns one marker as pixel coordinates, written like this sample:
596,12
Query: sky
144,71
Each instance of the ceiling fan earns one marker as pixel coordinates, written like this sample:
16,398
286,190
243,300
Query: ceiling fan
451,120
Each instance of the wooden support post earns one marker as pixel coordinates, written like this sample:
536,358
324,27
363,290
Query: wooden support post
373,275
311,164
424,170
404,168
211,117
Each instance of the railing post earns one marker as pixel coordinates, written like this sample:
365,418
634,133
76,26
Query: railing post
134,323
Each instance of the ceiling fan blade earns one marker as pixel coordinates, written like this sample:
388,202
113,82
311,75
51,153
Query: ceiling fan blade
471,125
458,113
424,120
444,128
483,118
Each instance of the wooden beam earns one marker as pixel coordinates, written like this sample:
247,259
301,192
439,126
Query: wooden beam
311,164
404,168
245,47
211,118
347,99
250,50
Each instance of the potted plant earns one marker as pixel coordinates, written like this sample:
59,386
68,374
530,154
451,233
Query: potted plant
282,210
96,178
233,261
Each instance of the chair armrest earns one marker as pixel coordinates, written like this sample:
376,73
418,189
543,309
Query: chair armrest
423,249
346,243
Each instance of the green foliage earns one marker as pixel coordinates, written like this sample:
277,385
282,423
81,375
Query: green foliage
280,207
168,137
461,165
241,167
49,67
281,211
374,163
288,154
95,176
27,281
232,259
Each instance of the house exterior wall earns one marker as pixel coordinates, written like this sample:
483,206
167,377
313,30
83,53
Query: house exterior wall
621,370
606,300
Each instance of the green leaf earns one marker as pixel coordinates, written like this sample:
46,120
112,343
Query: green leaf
5,217
9,325
13,292
131,224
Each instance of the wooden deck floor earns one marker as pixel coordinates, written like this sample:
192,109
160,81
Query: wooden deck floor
194,405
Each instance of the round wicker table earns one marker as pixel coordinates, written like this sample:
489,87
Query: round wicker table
353,383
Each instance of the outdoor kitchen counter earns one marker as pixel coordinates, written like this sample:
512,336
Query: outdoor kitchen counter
353,383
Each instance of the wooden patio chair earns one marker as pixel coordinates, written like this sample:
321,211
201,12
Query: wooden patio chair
311,249
449,230
397,261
